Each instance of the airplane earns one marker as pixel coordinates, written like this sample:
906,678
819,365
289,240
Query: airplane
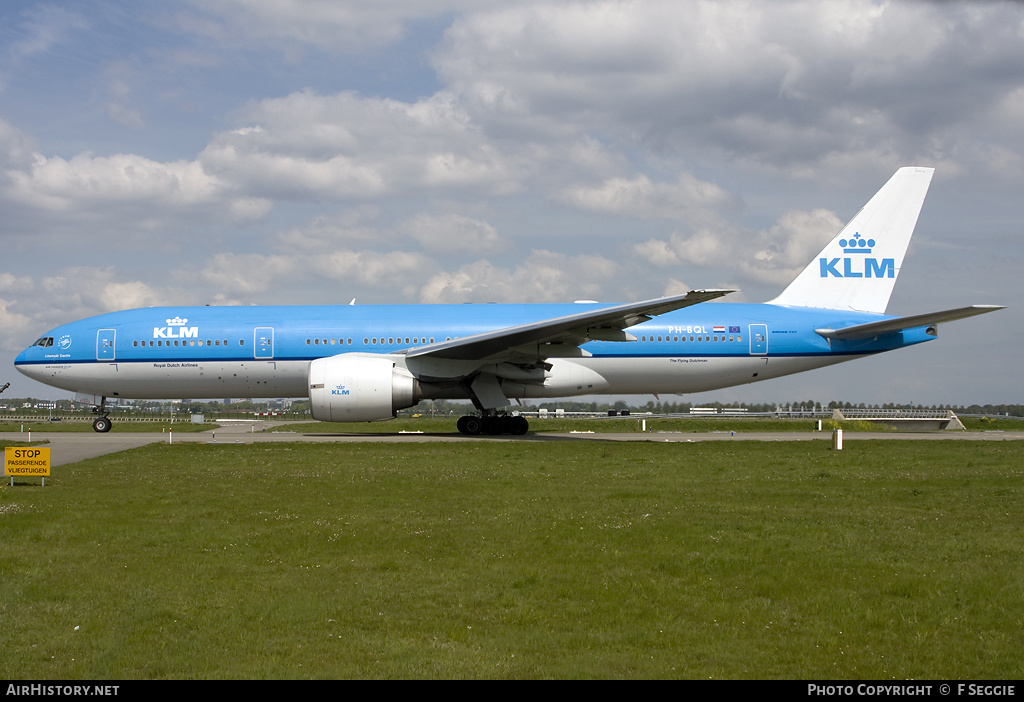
361,363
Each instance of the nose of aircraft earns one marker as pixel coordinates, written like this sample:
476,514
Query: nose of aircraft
23,357
31,361
24,360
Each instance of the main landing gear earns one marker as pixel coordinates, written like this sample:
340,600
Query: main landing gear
493,424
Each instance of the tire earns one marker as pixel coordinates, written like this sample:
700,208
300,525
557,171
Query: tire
102,425
518,426
469,425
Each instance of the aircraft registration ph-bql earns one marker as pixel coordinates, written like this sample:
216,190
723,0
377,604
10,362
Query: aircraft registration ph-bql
364,363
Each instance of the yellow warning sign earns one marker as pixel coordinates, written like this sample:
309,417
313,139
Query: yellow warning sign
26,461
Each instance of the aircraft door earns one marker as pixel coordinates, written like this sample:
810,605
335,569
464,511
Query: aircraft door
758,339
105,344
263,339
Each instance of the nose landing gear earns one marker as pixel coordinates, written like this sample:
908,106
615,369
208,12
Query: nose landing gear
102,422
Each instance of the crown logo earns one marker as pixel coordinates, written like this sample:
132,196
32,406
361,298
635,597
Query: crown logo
856,245
176,322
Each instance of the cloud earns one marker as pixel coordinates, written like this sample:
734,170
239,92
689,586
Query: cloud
453,233
351,228
781,85
704,247
773,256
128,192
338,27
339,274
248,274
545,276
119,89
31,305
17,327
343,146
113,186
640,197
81,291
58,184
784,250
38,30
17,149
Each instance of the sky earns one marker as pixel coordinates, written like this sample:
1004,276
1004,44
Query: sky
245,152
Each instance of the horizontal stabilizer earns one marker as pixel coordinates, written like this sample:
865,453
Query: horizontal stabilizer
886,326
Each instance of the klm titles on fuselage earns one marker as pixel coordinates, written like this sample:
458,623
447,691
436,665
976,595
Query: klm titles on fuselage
176,329
860,265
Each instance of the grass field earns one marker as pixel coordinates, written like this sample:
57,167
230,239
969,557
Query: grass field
519,560
85,426
441,425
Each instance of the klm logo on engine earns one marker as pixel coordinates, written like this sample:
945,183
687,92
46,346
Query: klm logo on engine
176,329
858,265
340,390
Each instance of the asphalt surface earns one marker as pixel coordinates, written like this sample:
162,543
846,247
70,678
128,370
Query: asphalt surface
71,447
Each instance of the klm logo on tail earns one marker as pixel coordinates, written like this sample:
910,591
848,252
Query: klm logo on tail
860,264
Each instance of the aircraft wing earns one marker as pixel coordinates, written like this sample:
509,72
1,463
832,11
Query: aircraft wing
885,326
561,336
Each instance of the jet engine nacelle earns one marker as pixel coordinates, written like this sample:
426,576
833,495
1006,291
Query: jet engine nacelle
359,388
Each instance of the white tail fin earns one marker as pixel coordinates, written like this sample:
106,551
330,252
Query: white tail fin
858,268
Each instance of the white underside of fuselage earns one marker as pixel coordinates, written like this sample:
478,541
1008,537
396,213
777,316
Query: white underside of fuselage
566,378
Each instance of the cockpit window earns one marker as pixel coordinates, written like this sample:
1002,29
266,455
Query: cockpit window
45,342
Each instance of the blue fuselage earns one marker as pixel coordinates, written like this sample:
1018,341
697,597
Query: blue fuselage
190,352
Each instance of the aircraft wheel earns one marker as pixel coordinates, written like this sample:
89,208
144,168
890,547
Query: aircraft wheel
518,426
102,425
469,425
